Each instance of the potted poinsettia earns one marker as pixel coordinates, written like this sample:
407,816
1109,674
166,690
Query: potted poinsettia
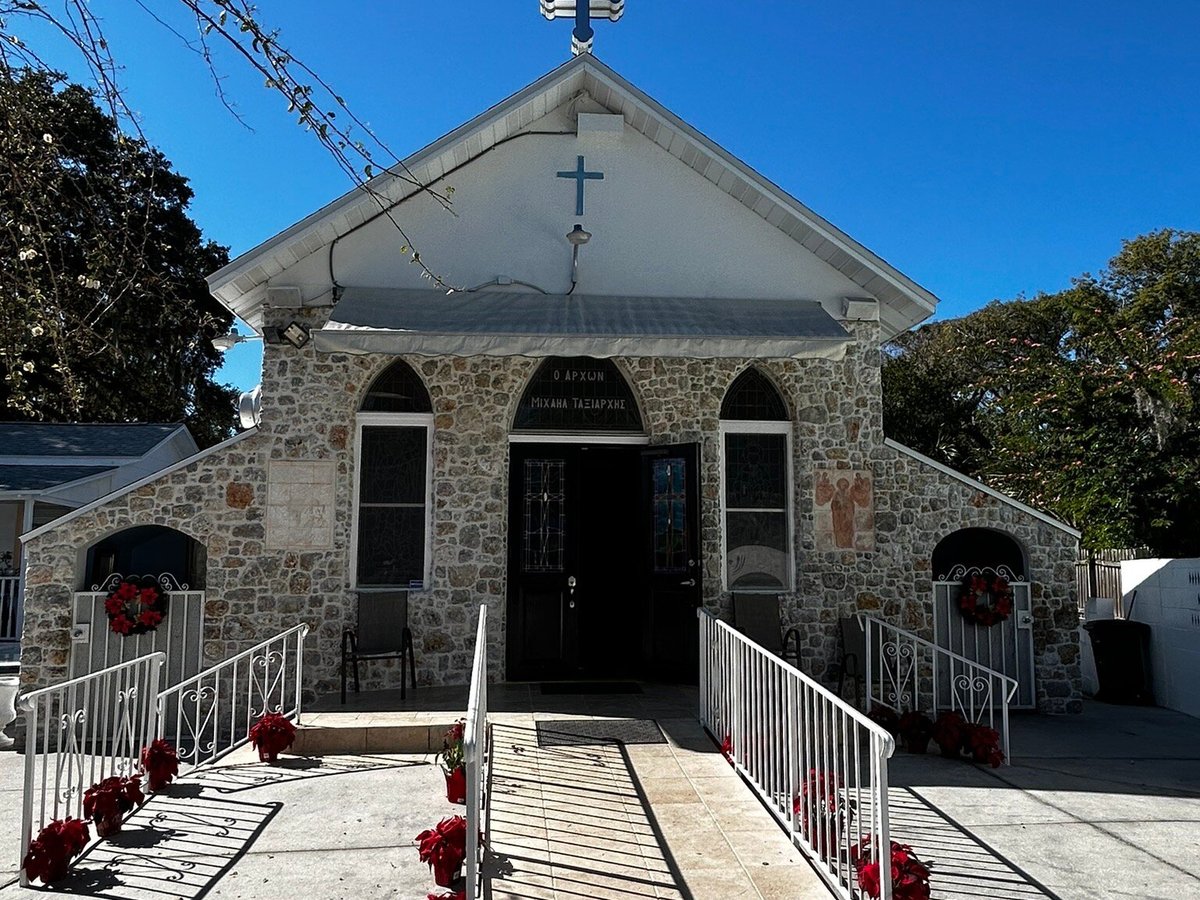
444,849
916,730
452,761
50,853
910,876
821,800
160,763
271,735
107,801
727,749
886,718
949,732
982,744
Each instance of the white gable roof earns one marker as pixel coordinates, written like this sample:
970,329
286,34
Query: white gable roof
241,285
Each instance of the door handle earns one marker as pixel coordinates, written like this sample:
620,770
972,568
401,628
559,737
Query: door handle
691,582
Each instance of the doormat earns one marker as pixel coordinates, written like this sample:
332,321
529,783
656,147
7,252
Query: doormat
591,687
585,732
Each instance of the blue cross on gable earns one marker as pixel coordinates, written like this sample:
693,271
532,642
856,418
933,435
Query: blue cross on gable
580,175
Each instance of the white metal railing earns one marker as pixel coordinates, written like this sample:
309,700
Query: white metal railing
10,607
210,714
82,731
819,765
906,672
475,739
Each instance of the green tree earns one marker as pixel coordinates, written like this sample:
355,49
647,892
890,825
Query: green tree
104,311
1083,402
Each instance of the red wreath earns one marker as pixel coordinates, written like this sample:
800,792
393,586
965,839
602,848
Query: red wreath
986,601
135,606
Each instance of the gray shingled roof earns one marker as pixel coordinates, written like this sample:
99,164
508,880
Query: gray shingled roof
40,478
52,439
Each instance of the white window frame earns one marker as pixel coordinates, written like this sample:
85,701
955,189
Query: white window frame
739,426
394,420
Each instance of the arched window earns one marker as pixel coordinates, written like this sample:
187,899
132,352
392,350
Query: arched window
756,485
393,482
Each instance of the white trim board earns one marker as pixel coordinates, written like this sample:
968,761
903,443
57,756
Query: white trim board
576,437
392,420
128,488
751,426
980,486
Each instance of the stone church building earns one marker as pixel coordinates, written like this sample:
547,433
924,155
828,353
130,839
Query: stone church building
636,378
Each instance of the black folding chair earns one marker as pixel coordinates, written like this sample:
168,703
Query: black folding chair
852,644
757,617
382,633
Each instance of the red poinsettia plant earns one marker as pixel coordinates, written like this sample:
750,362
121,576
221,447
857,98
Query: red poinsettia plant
444,848
271,735
916,730
160,763
949,732
886,718
982,744
50,853
107,801
986,601
135,606
821,800
910,876
453,761
451,755
727,749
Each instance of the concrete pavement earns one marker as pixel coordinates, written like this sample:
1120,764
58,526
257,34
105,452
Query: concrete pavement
1101,805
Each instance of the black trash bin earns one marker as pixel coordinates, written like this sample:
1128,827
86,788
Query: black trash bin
1122,652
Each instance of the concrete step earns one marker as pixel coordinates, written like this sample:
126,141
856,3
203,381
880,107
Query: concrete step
396,732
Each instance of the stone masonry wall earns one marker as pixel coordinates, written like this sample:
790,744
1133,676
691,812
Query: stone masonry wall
309,403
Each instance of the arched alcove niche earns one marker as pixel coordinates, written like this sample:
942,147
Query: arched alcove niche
978,548
146,550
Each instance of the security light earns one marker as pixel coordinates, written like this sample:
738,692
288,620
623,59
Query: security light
225,342
295,334
576,237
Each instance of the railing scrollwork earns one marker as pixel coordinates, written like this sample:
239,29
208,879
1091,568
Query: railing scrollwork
906,672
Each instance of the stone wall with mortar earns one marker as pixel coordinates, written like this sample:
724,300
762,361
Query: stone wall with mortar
257,587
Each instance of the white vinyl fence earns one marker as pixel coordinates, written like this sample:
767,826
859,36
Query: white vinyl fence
819,765
475,741
210,714
906,672
80,732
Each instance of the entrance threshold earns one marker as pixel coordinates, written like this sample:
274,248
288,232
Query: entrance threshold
590,687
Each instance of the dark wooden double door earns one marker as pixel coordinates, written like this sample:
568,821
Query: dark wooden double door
604,574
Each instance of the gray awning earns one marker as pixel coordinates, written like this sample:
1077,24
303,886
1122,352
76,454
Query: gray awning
503,323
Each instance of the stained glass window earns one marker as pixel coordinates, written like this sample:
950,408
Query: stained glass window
392,485
670,516
752,397
545,514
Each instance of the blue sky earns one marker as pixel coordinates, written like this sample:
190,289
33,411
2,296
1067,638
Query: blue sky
986,150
